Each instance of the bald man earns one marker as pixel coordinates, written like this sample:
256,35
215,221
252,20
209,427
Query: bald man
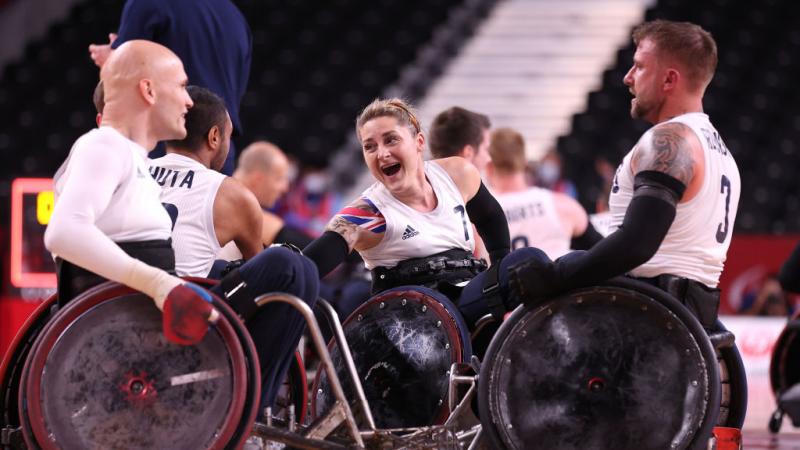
264,169
108,222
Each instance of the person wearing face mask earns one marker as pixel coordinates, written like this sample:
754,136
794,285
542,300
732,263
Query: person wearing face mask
548,175
420,214
309,203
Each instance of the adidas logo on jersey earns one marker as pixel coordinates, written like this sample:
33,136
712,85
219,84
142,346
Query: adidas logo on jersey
409,233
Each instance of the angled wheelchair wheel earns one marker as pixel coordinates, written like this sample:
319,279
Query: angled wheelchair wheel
622,366
102,375
403,342
733,380
14,361
784,368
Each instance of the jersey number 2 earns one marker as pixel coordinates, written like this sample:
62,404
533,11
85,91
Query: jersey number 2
722,228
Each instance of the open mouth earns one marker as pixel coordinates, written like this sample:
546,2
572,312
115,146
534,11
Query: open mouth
391,170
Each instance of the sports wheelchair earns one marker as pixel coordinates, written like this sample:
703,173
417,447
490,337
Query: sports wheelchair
622,365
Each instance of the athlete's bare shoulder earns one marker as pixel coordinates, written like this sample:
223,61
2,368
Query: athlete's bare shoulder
670,148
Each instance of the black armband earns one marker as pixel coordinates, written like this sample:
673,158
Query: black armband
291,235
327,251
789,276
490,221
586,240
659,185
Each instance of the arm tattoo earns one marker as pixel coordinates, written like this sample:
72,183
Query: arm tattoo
360,214
666,149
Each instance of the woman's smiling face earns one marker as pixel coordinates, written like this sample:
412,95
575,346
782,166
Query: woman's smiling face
393,153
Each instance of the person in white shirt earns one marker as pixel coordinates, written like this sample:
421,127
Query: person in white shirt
208,208
537,217
418,212
675,196
107,205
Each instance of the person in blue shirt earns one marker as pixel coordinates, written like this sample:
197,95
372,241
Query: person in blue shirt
211,37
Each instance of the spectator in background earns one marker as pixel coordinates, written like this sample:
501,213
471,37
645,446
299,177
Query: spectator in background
771,300
211,37
537,217
461,132
549,175
310,203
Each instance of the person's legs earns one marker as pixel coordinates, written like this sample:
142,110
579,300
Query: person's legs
472,302
277,327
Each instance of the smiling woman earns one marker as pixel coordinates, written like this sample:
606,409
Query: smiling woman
411,227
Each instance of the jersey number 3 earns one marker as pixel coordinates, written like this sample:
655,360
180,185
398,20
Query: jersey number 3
723,228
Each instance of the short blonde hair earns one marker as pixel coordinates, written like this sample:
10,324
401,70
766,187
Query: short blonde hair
393,107
507,150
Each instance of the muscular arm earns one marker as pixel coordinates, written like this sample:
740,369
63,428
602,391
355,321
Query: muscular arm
663,167
358,226
238,218
673,149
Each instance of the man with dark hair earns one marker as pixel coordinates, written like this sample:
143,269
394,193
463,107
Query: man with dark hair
674,197
208,209
460,132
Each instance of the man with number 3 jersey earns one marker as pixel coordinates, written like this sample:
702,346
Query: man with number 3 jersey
675,196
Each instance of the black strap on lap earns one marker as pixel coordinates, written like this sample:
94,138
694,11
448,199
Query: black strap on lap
701,300
238,295
491,292
74,280
452,266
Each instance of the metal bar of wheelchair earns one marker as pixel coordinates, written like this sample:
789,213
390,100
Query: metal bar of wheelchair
293,439
338,331
341,406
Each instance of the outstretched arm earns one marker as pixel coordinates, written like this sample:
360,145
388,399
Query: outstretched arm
358,226
664,165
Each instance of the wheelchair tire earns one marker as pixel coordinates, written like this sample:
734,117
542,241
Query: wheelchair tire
612,360
101,375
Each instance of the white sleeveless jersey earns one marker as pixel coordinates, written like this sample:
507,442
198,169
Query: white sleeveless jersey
188,191
533,221
696,244
413,234
133,212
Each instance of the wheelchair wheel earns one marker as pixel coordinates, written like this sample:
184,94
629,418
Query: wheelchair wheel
733,379
14,360
622,366
102,375
403,342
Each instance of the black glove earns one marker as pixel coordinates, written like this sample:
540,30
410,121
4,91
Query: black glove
534,279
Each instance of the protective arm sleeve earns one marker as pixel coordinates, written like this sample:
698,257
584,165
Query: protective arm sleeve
647,221
291,235
586,240
486,213
95,171
327,252
789,276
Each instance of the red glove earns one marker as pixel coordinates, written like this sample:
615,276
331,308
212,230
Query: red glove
187,311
